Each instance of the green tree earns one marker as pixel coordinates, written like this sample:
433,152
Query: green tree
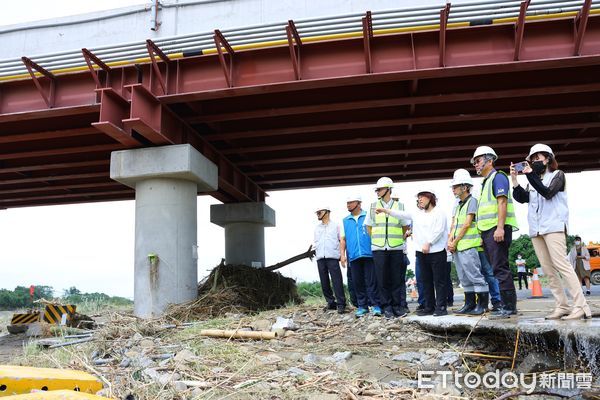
523,246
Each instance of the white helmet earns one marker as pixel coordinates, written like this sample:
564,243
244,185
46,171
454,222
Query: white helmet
356,197
481,150
461,177
323,207
539,148
427,190
384,182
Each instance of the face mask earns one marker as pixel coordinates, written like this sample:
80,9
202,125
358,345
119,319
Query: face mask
577,243
519,257
538,167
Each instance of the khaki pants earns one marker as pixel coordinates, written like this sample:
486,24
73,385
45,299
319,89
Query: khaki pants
551,250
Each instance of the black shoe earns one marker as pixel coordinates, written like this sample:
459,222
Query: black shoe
450,304
469,303
440,311
496,306
420,307
424,311
510,304
400,311
587,293
329,307
341,310
482,301
388,314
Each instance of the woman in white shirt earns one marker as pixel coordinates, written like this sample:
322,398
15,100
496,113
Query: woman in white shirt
430,231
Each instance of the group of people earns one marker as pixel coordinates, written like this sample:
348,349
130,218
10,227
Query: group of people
372,243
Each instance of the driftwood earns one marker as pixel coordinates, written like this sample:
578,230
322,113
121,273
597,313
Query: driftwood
310,253
235,334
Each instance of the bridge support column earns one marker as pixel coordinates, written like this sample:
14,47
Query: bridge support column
166,181
244,225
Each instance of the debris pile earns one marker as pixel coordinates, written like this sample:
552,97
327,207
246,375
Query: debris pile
237,289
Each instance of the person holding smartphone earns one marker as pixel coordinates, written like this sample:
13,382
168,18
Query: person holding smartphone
548,218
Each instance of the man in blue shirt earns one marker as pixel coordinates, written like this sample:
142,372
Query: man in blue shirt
355,248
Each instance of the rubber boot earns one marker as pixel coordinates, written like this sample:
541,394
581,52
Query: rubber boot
469,303
511,304
482,300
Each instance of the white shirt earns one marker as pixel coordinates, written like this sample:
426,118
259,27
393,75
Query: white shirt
520,262
369,222
428,227
327,240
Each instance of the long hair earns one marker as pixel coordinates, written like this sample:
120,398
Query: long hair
552,163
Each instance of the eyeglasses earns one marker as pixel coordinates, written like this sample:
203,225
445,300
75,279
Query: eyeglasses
478,160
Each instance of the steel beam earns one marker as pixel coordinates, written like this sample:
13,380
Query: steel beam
409,137
409,150
401,122
394,102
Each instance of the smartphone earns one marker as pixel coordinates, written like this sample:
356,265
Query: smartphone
519,167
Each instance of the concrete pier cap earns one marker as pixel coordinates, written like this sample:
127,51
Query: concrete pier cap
167,181
244,225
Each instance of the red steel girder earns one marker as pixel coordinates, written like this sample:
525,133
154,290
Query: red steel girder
402,121
409,137
400,101
408,150
160,125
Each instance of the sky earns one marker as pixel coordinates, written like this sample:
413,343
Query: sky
91,246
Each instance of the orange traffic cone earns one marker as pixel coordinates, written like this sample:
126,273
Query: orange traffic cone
536,286
413,294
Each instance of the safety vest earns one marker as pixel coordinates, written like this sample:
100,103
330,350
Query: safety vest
471,238
386,228
487,212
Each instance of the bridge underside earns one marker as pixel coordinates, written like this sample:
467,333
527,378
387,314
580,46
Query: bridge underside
410,106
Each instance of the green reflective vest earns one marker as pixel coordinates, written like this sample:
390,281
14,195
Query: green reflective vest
386,228
471,238
487,212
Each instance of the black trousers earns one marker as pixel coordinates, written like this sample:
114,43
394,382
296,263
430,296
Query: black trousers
364,282
497,254
390,268
523,275
434,274
351,291
449,287
331,267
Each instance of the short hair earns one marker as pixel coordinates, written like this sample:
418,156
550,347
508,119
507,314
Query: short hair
430,196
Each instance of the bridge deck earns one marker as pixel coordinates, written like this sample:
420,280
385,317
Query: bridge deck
408,105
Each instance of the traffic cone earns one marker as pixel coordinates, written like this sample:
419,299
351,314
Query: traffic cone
413,294
536,287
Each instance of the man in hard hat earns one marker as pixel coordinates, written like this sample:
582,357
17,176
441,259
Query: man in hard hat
463,241
327,252
356,250
496,220
387,243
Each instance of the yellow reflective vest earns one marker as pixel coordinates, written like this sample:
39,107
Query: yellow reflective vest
487,211
387,228
471,238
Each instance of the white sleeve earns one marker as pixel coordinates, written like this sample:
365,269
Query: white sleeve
402,215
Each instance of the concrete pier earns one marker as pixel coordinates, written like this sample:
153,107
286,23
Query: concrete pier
244,225
166,181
